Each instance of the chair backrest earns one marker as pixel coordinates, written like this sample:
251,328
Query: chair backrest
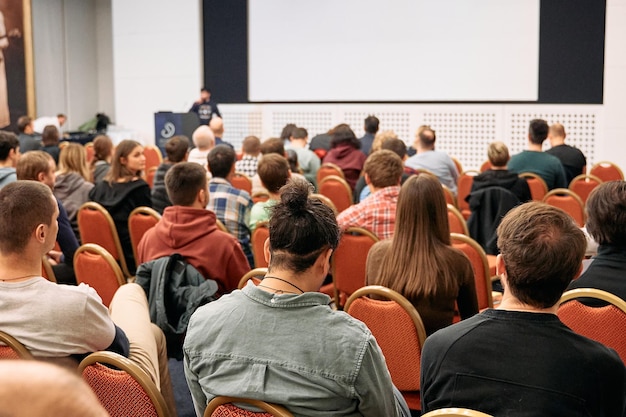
337,190
223,406
89,152
485,166
606,325
326,201
95,225
464,187
153,155
478,259
328,168
583,185
607,171
348,261
398,329
150,173
241,181
456,221
257,240
124,391
46,269
93,265
568,201
12,348
321,153
260,196
256,275
221,226
140,220
538,187
455,412
450,198
457,164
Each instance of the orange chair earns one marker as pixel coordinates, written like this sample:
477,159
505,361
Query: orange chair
222,406
93,265
321,153
241,181
326,201
569,202
95,225
260,196
46,269
606,325
456,412
456,221
328,168
457,164
257,240
583,185
607,171
123,388
256,275
485,166
140,220
89,152
399,331
538,187
348,262
450,198
464,187
153,155
478,258
337,190
11,348
150,173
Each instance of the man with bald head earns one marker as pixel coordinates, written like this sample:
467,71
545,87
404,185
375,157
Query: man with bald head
571,158
204,140
217,126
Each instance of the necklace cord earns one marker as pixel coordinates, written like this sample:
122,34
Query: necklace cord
286,282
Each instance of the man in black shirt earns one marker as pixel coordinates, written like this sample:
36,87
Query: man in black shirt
572,158
204,107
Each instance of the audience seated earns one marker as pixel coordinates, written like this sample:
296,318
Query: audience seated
251,149
123,190
271,146
102,154
231,205
176,149
307,160
274,173
377,213
203,140
419,261
572,159
345,153
217,126
9,155
520,359
190,230
534,160
287,132
29,140
370,125
280,341
50,142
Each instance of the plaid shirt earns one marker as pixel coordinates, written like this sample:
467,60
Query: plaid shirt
247,165
376,213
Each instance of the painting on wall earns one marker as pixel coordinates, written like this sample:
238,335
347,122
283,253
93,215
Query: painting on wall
17,96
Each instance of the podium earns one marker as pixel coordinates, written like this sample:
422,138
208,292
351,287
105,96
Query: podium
168,124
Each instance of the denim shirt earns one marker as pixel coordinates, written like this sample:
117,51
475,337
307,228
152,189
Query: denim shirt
288,349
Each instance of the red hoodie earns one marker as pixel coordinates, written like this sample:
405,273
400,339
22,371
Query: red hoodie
349,159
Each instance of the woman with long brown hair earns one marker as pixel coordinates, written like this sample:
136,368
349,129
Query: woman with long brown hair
419,262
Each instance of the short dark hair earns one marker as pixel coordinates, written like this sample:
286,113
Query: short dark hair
396,146
538,130
251,145
542,249
24,205
183,181
287,131
273,145
371,124
343,134
8,141
221,160
50,135
273,170
206,89
176,148
301,228
299,133
23,122
606,213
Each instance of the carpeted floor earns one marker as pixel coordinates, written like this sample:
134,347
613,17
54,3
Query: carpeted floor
184,404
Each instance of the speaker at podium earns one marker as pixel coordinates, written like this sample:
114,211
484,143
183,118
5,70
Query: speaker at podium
168,124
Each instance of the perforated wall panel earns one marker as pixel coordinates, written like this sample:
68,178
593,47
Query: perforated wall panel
315,122
241,121
398,121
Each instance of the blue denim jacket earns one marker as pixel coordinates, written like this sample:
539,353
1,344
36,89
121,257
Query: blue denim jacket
287,349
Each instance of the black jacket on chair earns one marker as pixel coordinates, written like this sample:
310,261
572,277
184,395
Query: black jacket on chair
488,206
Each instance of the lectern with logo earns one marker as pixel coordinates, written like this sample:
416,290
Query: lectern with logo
168,124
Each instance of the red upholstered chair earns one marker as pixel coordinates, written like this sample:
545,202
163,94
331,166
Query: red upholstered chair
241,181
478,258
93,265
348,262
11,348
140,220
485,166
222,406
456,221
328,168
337,190
260,196
46,269
153,155
457,164
326,201
583,185
399,331
321,153
569,202
456,412
606,325
607,171
257,240
95,225
124,391
538,187
256,275
464,187
150,173
450,198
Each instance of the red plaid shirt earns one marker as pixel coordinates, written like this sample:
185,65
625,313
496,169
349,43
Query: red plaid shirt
376,213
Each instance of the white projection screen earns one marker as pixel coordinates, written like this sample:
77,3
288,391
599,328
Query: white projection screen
393,50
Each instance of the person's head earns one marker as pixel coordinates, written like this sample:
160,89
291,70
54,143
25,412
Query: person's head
343,134
273,145
383,169
205,94
498,154
300,133
396,146
73,159
28,210
186,185
9,147
102,148
251,146
371,124
274,172
62,118
25,124
292,160
221,161
303,231
203,138
176,148
426,138
556,134
382,137
50,135
538,131
37,166
127,163
287,131
217,126
541,251
606,213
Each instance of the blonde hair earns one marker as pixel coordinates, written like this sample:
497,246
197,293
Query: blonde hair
381,138
73,158
498,154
